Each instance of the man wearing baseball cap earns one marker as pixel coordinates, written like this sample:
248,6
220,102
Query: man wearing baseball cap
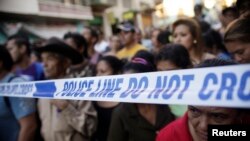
131,47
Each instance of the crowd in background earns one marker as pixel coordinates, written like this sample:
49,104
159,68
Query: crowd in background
189,43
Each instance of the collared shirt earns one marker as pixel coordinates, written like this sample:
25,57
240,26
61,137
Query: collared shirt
74,123
176,131
128,53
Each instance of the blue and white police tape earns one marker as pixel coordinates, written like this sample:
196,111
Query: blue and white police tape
227,86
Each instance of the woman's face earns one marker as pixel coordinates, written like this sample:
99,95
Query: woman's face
200,117
239,51
103,68
165,65
183,36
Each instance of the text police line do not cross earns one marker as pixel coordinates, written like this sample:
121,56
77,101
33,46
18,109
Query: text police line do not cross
216,86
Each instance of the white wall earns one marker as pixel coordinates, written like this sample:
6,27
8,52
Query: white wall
19,6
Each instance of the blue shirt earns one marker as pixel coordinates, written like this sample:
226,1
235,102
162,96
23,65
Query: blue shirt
224,56
10,114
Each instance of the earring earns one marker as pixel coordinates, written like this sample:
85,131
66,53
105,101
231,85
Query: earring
195,41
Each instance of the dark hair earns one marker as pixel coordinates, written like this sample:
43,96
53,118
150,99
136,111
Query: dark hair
57,46
163,37
21,40
238,30
149,57
5,58
215,63
205,26
114,63
243,5
233,10
195,31
139,65
175,53
79,40
93,32
213,39
221,62
198,7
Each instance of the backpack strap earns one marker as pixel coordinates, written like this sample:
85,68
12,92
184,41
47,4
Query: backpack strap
6,99
12,77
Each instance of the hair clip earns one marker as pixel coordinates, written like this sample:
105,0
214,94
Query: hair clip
139,61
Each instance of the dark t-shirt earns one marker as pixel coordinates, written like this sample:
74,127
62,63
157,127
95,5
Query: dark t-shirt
104,116
128,125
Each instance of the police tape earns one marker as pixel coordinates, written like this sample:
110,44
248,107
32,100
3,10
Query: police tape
227,86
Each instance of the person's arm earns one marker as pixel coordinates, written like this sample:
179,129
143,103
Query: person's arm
28,125
24,110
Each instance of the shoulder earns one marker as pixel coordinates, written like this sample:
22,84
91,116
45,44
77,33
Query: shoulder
207,56
122,50
121,53
139,46
38,65
176,130
11,77
168,132
120,109
22,78
123,110
22,106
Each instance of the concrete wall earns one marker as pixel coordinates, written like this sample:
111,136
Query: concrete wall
19,6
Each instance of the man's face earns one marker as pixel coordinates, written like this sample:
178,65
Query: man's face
15,51
199,118
154,35
127,37
87,34
51,65
138,36
239,51
115,43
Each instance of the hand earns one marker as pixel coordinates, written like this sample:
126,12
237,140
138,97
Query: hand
60,104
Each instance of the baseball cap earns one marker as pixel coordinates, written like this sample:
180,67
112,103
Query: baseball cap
127,26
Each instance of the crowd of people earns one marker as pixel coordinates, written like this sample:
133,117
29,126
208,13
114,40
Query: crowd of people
191,43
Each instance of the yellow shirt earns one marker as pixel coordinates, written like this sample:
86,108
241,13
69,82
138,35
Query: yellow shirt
128,53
